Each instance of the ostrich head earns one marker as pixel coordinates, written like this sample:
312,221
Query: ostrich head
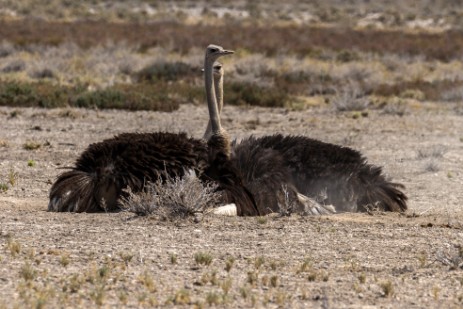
218,70
214,52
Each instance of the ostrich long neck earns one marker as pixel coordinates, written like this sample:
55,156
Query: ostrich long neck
218,88
211,99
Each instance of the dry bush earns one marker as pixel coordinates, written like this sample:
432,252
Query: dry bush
42,73
304,77
350,97
380,14
413,94
14,65
299,40
6,49
359,72
454,259
453,94
167,74
431,166
172,198
432,90
394,106
434,152
255,68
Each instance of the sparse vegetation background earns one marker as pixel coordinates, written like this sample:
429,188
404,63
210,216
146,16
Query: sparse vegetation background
142,55
386,79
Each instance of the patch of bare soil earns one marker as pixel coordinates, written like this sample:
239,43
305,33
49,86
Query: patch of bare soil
377,260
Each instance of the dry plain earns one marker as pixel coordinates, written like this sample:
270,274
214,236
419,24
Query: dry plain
378,260
383,78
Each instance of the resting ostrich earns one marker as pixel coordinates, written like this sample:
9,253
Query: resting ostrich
105,169
264,173
331,174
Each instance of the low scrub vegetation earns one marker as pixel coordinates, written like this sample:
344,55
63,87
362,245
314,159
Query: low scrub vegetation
48,95
130,66
300,40
446,90
172,198
167,71
251,94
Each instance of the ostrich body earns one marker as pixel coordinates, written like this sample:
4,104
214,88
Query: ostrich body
309,169
331,174
104,169
130,160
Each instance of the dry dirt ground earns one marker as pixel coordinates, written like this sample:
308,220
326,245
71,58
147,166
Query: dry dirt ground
340,261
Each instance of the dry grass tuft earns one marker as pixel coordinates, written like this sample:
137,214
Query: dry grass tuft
27,272
388,288
13,246
434,152
454,260
181,297
229,263
173,198
394,106
31,145
203,258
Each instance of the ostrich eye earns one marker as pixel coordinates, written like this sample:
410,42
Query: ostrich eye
214,50
218,67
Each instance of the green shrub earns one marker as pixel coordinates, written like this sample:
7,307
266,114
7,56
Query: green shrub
413,94
166,71
131,97
347,56
159,96
248,94
109,98
188,93
16,94
33,94
51,96
148,97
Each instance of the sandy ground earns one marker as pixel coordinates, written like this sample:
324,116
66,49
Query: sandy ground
339,261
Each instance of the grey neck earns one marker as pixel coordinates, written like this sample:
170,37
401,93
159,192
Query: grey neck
210,97
218,88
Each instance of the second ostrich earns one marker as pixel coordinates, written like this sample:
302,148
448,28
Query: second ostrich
105,169
330,174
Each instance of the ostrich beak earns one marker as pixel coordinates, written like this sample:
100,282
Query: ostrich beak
227,52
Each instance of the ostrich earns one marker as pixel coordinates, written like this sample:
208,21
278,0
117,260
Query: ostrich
331,174
264,173
104,169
